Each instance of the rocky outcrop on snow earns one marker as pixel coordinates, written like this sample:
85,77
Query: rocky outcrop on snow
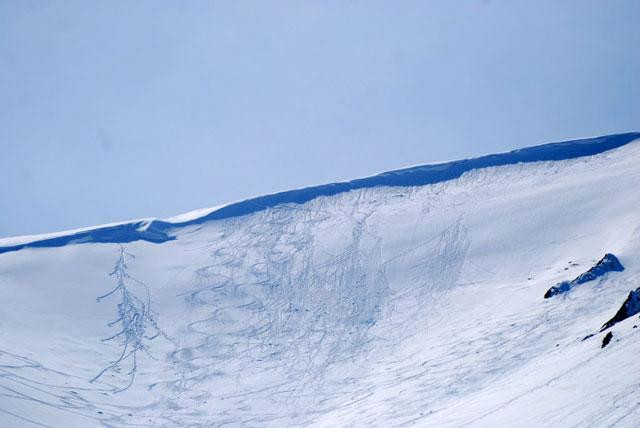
629,308
609,263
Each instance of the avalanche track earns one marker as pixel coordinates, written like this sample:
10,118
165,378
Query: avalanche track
411,298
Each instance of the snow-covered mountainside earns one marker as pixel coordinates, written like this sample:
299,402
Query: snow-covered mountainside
415,297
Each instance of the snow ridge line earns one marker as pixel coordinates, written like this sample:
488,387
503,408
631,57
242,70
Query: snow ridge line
158,231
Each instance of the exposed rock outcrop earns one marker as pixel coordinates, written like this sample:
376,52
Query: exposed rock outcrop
629,308
609,263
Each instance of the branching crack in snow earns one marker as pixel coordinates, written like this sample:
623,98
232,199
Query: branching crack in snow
135,318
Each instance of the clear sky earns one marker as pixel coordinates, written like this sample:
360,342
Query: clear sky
113,110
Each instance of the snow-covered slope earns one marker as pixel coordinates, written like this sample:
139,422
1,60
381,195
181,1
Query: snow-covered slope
414,297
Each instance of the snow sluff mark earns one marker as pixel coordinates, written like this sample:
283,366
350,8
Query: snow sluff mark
134,317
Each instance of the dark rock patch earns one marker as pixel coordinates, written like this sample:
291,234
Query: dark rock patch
629,308
609,263
561,287
607,339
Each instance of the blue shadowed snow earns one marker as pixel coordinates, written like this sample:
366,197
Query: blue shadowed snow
157,231
121,233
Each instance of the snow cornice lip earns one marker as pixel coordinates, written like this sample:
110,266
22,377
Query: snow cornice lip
157,231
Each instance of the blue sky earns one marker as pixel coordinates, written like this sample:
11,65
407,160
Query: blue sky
117,110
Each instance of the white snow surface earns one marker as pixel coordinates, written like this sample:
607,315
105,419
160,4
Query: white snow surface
384,306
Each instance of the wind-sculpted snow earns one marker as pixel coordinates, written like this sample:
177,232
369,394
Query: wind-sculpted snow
381,306
119,233
158,231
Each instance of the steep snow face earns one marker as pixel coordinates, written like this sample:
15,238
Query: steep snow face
158,231
374,306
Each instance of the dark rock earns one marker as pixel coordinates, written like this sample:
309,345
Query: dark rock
629,308
609,263
607,339
560,287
